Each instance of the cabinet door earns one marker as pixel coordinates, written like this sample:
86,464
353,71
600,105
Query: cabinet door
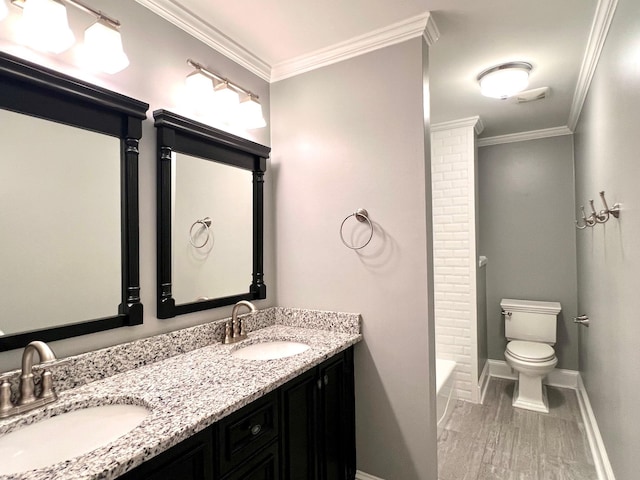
298,427
189,460
263,466
246,431
336,433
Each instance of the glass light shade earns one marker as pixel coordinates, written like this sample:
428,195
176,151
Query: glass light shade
226,101
250,112
103,48
45,26
4,11
199,89
504,82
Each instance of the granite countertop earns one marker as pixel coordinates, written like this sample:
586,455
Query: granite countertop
185,393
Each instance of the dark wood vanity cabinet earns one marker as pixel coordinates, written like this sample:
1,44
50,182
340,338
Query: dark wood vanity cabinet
192,459
318,422
305,430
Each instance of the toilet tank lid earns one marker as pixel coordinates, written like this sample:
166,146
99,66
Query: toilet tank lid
530,306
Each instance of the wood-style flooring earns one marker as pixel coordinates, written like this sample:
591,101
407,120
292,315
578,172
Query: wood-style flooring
495,441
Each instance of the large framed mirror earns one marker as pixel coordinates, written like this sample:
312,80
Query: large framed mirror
69,217
210,216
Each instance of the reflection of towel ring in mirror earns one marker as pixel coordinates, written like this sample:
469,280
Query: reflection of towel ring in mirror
361,215
206,223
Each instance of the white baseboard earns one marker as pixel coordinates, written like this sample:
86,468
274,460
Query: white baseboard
365,476
483,382
600,457
559,377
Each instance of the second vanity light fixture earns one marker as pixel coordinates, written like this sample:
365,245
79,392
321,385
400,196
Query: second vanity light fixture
504,80
45,27
233,104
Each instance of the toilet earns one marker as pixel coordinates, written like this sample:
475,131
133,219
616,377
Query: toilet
530,327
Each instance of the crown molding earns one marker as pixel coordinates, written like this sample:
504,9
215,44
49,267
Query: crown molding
524,136
431,33
413,27
195,26
599,30
474,122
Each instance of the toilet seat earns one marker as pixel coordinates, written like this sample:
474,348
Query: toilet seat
532,352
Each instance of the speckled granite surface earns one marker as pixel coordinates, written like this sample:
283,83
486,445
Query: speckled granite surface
186,392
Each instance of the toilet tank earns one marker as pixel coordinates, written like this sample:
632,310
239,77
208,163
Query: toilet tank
530,320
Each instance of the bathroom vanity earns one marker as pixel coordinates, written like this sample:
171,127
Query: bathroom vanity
213,415
304,429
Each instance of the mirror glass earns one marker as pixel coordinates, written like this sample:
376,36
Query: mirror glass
59,225
211,229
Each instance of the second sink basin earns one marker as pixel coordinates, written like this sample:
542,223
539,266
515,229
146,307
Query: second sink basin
270,350
66,436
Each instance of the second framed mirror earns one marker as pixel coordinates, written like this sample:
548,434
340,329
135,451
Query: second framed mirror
210,216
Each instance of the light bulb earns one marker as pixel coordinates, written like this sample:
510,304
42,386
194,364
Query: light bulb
225,103
4,11
103,48
199,90
250,112
45,26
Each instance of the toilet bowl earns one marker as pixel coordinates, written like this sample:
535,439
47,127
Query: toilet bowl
533,361
530,328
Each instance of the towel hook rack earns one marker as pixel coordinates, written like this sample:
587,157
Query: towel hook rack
206,223
361,215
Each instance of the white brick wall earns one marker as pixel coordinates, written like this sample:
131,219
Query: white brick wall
453,184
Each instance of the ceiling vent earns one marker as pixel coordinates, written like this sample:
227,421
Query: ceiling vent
531,95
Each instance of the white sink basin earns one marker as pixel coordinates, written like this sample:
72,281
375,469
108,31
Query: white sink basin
66,436
270,350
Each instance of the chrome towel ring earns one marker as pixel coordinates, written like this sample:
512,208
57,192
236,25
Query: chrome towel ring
206,223
360,215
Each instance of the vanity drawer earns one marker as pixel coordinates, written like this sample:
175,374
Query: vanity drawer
246,431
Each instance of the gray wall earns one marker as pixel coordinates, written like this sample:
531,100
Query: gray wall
606,147
351,136
158,52
527,232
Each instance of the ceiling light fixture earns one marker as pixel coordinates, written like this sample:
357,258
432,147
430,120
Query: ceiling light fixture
45,27
505,80
226,98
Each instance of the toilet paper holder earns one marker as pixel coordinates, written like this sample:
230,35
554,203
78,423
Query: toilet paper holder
582,320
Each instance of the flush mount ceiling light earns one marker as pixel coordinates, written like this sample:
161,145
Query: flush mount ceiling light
505,80
203,84
45,27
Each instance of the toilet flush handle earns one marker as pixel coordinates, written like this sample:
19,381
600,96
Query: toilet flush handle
582,320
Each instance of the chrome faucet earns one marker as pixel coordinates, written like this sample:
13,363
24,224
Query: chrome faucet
234,331
27,400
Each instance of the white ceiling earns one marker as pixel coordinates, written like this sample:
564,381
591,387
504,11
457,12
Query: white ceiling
552,35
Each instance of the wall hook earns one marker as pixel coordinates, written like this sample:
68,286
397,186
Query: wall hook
615,210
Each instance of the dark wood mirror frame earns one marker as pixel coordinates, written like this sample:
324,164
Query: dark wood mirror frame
179,134
40,92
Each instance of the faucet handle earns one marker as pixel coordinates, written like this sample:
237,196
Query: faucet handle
46,383
5,396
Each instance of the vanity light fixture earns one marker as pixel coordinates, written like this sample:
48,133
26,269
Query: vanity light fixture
504,80
232,104
45,27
